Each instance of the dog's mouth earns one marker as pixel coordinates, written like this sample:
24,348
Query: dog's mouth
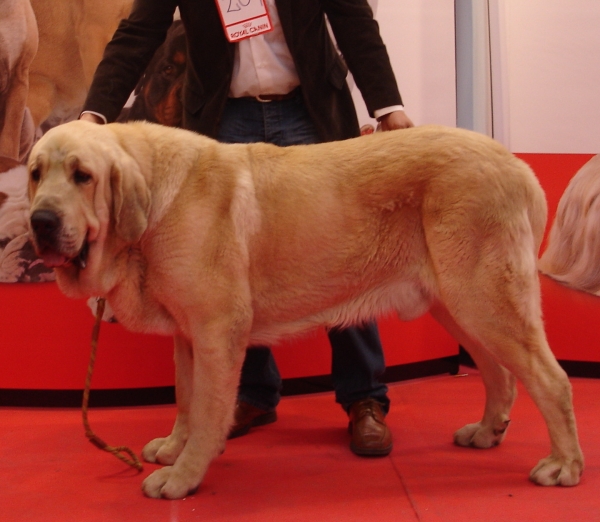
54,259
55,246
80,261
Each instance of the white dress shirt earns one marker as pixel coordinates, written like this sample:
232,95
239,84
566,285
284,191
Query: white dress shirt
263,65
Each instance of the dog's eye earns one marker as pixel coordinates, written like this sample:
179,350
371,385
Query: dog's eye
168,70
81,178
35,175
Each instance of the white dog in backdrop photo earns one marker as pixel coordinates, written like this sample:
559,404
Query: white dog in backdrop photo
18,262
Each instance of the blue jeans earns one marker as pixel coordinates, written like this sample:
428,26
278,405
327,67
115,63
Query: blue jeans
357,355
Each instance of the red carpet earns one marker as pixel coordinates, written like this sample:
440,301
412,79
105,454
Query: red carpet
300,468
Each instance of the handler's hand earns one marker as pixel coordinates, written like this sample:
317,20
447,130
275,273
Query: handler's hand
88,116
395,120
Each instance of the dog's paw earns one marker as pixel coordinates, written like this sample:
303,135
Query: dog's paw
553,471
163,450
170,483
479,435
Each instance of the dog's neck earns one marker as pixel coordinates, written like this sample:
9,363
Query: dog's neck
133,305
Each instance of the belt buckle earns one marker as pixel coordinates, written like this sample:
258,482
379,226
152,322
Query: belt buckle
261,100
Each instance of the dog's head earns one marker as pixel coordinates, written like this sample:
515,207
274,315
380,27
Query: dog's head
88,200
158,93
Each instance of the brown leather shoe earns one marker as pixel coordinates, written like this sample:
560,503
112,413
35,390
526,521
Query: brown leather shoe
370,435
248,416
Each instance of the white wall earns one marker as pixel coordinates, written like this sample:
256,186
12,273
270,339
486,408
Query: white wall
546,65
419,35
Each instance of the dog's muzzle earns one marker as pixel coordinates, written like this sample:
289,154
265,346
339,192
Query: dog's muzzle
46,226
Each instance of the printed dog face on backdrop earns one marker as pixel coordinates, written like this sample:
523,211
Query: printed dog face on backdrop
18,261
158,93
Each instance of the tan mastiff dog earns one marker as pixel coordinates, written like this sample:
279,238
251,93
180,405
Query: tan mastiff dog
224,246
73,35
18,45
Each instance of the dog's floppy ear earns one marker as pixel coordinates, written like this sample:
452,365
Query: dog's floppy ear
131,199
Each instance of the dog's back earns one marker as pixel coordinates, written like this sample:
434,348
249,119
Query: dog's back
416,209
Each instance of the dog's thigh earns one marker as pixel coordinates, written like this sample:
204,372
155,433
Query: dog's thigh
165,450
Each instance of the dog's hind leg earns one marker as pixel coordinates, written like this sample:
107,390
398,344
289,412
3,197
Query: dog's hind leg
551,391
165,450
548,385
500,387
485,271
512,333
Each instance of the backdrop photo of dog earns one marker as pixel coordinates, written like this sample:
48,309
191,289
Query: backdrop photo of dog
158,93
18,262
225,246
72,38
18,46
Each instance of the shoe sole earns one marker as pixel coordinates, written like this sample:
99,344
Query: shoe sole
261,420
371,452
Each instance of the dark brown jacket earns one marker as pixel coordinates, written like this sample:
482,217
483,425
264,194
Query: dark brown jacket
210,61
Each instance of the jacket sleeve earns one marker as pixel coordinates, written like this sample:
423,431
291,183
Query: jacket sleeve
127,55
359,41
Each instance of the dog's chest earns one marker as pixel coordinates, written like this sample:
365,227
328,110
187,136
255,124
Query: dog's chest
140,314
137,303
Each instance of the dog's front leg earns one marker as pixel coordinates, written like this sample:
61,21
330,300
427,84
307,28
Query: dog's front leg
15,111
165,450
218,355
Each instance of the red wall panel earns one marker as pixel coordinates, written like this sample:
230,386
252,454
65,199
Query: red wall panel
571,317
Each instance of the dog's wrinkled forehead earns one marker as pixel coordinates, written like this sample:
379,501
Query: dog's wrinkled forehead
70,146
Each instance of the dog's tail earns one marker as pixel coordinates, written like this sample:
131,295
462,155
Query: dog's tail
537,210
574,242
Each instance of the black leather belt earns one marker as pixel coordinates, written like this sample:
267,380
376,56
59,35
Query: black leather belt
267,98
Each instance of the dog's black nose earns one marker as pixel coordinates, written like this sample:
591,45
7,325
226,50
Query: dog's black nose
44,222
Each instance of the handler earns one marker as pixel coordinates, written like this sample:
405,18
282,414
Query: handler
286,84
